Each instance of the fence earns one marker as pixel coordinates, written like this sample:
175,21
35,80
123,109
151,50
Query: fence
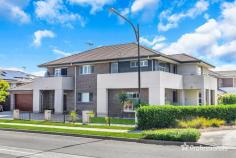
63,118
66,117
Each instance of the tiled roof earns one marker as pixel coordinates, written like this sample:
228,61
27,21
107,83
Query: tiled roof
185,58
119,51
105,53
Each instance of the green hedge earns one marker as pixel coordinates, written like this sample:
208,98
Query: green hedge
166,116
227,99
183,135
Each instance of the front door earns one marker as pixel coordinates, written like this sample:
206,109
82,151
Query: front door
64,102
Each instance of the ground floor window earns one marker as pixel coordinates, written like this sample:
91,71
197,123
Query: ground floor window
175,96
200,98
132,100
85,97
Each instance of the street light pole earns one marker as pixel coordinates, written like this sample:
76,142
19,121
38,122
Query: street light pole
137,36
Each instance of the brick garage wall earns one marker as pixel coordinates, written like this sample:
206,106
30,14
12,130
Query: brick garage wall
88,83
115,108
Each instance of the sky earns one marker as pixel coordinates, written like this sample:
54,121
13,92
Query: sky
33,32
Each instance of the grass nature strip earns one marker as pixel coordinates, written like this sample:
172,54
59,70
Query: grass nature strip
76,132
67,124
160,134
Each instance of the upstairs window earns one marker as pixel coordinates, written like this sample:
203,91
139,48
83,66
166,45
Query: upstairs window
199,70
60,72
114,67
143,63
86,69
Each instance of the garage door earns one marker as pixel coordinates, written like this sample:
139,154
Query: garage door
24,102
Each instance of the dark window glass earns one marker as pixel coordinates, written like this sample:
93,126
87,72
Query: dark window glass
90,96
79,97
64,71
175,96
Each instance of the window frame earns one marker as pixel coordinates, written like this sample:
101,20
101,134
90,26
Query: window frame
86,69
131,96
81,95
117,67
143,63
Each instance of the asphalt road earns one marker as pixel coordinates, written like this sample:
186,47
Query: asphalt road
19,145
225,138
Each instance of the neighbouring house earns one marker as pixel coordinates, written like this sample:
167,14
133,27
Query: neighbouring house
94,79
226,81
14,78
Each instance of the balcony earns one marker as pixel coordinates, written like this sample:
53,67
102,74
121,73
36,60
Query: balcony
199,82
54,82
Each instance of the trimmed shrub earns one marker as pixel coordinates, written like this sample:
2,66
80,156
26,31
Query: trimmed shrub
227,99
150,117
183,135
200,122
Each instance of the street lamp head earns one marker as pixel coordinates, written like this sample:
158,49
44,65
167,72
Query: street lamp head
111,10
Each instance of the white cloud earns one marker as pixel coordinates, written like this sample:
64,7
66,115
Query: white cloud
55,11
157,43
96,5
168,21
201,38
13,69
215,38
40,34
225,67
154,41
139,5
14,10
39,73
60,52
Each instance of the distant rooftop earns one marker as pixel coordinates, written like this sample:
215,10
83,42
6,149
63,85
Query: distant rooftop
18,76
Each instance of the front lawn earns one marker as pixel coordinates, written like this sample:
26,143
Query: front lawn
67,124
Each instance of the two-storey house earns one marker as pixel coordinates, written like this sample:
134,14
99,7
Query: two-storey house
94,79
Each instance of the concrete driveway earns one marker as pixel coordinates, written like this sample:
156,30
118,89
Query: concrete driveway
226,138
6,115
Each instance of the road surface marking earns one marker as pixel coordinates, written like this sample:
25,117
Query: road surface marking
30,153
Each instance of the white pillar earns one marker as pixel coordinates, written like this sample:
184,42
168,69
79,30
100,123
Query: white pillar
36,100
157,96
12,100
58,101
102,102
203,94
181,97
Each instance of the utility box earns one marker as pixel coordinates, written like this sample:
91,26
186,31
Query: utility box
86,116
16,114
47,115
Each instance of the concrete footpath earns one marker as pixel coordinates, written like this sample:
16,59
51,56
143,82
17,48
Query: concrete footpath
67,127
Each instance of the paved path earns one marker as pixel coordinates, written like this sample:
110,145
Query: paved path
29,145
67,127
6,115
225,138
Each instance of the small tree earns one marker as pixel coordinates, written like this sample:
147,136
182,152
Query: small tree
123,98
4,86
73,116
